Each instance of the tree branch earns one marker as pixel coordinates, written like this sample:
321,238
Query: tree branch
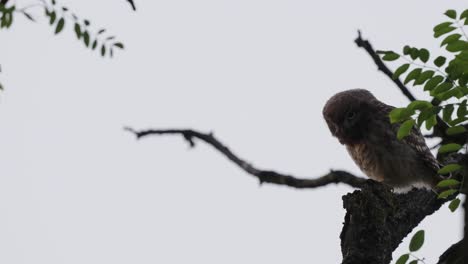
263,176
365,44
441,126
377,220
454,254
132,4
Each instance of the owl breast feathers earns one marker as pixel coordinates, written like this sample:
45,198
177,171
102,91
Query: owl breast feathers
361,123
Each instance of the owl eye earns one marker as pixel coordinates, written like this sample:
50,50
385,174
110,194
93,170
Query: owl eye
350,115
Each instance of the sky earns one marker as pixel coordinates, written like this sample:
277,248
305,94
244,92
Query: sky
76,188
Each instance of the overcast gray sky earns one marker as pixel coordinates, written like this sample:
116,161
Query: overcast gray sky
76,188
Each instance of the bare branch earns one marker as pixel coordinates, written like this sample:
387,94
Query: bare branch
263,176
132,4
365,44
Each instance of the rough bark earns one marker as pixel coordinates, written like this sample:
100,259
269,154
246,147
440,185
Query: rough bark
377,220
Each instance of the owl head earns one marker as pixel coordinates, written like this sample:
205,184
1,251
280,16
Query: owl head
348,115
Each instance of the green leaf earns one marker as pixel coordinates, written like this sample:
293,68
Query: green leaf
451,13
52,17
414,53
419,105
60,25
431,122
457,45
95,43
119,45
424,77
464,15
433,82
413,75
86,38
439,61
426,114
463,89
454,204
103,50
86,22
443,87
442,26
463,81
406,50
462,111
101,31
455,92
448,183
444,31
405,128
417,241
402,259
77,30
391,56
413,262
399,114
447,113
455,130
451,147
400,70
450,39
424,55
446,194
449,168
458,121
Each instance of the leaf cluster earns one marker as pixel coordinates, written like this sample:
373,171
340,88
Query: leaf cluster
444,77
60,16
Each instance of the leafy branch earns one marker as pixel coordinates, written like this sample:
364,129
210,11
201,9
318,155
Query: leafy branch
446,82
58,17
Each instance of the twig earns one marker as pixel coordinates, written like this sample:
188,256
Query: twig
264,176
132,4
365,44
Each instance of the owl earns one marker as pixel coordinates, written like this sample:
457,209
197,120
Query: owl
361,123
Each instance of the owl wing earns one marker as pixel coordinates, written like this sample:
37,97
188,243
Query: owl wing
416,141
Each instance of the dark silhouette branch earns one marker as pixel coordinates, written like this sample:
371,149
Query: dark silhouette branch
454,254
132,4
264,176
365,44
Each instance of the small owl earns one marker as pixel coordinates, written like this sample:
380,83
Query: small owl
361,123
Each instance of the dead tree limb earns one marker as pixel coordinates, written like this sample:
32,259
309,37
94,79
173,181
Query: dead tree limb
264,176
